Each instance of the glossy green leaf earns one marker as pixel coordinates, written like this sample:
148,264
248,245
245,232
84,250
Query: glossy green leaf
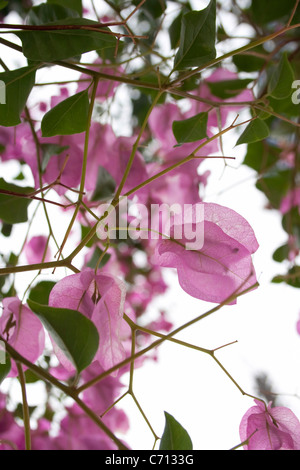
13,209
68,117
275,184
105,186
41,291
174,437
49,46
281,79
73,333
266,11
74,4
197,38
5,364
190,130
17,85
228,88
255,131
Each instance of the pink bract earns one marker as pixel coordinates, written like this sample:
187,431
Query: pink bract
270,428
22,329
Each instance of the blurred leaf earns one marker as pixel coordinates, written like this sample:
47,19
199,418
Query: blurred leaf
292,278
190,130
68,117
281,253
73,333
174,437
281,79
274,184
260,157
255,131
48,151
73,4
249,62
5,364
175,28
17,87
197,38
228,88
46,13
266,11
95,258
105,186
41,291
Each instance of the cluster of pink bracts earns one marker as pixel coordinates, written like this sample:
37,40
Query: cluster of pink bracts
221,268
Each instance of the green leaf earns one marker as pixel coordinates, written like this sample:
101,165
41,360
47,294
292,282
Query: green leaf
17,85
50,46
281,253
5,364
260,157
175,28
41,291
13,209
281,79
250,63
190,130
228,88
48,151
291,279
154,7
73,333
266,11
275,184
95,258
174,437
255,131
197,38
105,186
3,4
46,13
68,117
74,4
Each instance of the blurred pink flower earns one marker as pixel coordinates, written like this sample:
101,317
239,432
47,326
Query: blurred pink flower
22,330
35,250
270,428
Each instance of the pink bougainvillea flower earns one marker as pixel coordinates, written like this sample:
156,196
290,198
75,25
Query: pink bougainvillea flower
35,250
100,297
105,88
270,428
11,434
22,329
222,265
298,325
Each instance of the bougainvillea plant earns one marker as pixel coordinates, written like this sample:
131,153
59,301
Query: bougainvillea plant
107,111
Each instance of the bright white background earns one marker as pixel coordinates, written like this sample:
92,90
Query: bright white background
188,384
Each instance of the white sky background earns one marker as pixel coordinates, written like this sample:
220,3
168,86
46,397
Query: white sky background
188,384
